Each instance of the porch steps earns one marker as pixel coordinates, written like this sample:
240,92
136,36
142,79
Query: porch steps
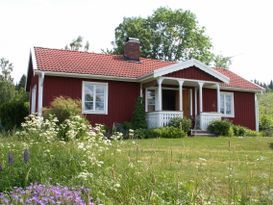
197,132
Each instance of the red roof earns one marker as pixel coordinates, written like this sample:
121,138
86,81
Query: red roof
236,81
57,60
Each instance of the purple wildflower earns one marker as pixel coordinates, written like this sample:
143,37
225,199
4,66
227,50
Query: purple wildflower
10,158
42,194
1,168
26,156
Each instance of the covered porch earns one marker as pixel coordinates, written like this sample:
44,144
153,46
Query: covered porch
170,97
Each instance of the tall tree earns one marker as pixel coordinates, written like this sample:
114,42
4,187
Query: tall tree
167,34
77,44
222,61
270,85
6,69
22,82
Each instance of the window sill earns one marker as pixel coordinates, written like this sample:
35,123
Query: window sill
228,116
85,112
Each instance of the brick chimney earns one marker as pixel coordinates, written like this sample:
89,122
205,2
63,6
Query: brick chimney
132,49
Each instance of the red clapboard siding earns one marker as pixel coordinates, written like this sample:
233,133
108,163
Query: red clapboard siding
244,110
244,107
121,99
192,73
209,100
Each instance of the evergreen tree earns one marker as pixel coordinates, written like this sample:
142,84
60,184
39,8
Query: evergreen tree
138,119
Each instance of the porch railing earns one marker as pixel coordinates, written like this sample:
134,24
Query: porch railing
161,118
206,117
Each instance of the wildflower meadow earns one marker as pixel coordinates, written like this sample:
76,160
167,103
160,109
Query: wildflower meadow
48,162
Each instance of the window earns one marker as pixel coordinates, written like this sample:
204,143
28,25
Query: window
227,104
150,101
95,98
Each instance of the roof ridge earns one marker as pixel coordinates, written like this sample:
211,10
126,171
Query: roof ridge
74,51
104,54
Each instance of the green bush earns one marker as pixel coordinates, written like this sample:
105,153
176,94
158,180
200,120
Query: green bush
123,128
63,108
138,119
167,132
221,128
141,133
181,123
266,125
243,131
12,114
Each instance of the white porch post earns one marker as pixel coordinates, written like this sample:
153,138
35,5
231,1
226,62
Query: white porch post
159,90
195,101
40,93
180,95
200,96
141,91
146,100
191,102
218,97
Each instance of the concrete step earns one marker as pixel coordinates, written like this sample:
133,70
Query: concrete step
197,132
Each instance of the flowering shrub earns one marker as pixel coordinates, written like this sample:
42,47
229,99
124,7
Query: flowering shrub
73,128
63,108
42,194
37,128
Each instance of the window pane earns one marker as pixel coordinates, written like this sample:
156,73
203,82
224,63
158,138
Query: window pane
100,89
88,97
151,100
100,93
222,104
228,104
88,105
99,105
151,108
89,89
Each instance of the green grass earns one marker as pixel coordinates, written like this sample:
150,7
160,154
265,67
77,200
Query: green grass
194,170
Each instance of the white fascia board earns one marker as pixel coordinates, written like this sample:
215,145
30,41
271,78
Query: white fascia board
187,64
239,89
86,76
34,61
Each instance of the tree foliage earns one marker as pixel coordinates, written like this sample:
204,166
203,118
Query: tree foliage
77,44
222,61
13,99
22,82
6,69
167,34
266,113
138,119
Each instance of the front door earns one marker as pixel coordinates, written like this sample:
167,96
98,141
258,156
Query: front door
186,103
168,100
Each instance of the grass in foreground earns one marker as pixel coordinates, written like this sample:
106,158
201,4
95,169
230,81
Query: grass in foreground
199,170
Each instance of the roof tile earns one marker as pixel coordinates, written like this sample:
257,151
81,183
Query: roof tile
58,60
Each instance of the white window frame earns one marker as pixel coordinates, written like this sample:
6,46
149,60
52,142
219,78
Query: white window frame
231,94
102,112
146,98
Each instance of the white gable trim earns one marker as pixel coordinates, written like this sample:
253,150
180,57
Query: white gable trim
33,57
187,64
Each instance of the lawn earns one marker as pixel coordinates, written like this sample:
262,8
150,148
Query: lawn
192,170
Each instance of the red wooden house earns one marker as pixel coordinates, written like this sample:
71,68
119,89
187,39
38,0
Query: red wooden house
108,86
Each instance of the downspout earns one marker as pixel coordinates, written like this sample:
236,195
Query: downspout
40,93
257,113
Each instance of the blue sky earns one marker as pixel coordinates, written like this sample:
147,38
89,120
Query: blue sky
242,29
